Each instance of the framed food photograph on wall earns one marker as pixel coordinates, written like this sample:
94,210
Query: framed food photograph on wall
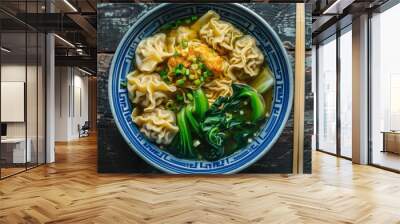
197,88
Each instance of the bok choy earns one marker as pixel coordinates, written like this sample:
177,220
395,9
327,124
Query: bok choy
185,145
229,120
264,81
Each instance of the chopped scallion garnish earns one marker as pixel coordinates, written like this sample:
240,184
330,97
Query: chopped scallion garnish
178,23
179,97
197,82
180,82
186,72
178,71
163,73
189,96
164,76
207,73
173,25
184,43
202,66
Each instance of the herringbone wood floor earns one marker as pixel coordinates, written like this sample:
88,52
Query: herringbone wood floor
71,191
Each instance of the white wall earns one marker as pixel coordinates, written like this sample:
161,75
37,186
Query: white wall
14,73
17,73
80,110
71,102
61,103
33,126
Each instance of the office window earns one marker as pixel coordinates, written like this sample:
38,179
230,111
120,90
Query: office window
385,89
327,96
346,93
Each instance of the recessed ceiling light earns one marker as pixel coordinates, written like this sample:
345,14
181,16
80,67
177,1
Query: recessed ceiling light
65,41
5,50
70,5
337,7
84,71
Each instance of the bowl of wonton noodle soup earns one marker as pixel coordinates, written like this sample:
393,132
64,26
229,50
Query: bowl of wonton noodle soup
200,88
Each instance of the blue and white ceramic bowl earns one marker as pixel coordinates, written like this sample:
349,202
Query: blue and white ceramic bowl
244,19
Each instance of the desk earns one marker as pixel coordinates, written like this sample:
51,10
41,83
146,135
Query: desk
391,141
13,150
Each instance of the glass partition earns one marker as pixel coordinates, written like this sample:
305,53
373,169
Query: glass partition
327,96
334,94
346,93
22,77
14,155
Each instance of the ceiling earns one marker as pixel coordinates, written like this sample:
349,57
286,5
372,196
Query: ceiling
40,5
19,54
330,15
74,22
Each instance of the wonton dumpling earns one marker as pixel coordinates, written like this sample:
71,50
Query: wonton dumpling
171,41
148,90
220,35
158,125
246,59
150,52
185,33
177,36
217,88
204,19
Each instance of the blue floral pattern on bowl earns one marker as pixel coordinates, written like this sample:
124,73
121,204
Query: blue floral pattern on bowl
247,21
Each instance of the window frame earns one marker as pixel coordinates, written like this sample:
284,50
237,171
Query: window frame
381,9
333,37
